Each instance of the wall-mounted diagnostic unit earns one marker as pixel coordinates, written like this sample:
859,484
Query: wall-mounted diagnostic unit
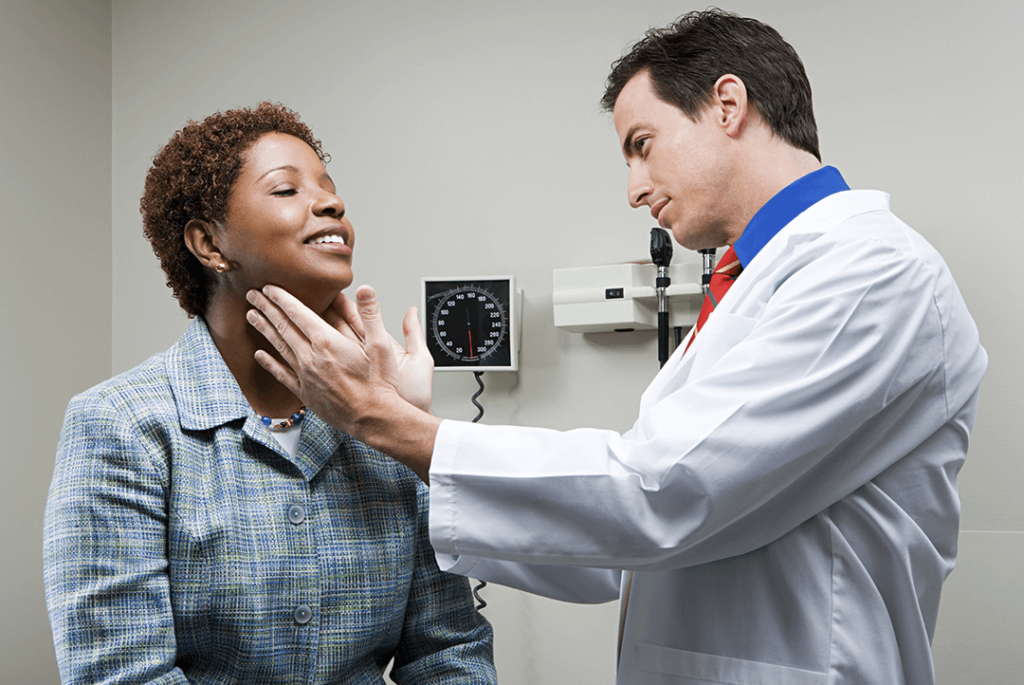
472,324
623,297
634,296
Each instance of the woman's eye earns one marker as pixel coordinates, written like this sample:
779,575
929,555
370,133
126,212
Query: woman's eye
284,191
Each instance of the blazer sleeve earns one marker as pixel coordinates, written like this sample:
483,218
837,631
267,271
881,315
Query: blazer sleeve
104,552
445,640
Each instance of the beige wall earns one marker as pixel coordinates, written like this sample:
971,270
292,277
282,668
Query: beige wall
55,243
467,140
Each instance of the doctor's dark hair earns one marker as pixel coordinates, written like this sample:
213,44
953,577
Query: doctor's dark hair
686,58
192,178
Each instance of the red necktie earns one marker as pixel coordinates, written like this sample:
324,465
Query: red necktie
725,273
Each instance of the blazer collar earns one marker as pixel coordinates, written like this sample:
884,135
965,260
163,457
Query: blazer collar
206,393
207,396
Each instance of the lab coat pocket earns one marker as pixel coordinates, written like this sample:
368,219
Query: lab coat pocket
654,665
722,332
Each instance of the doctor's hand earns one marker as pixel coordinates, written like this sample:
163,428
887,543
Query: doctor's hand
411,368
351,372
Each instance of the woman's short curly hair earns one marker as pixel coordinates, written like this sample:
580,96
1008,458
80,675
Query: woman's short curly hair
192,177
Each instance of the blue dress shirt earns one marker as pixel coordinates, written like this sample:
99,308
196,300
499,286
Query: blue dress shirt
785,206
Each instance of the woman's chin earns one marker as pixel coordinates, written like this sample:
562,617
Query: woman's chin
320,297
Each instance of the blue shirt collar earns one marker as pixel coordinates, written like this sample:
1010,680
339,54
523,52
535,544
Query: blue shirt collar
785,206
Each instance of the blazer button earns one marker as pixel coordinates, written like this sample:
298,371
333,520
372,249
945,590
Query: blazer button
296,514
303,614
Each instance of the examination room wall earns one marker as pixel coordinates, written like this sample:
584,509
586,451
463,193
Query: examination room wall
55,322
466,139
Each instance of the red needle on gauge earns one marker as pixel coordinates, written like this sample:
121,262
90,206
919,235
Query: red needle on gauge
470,343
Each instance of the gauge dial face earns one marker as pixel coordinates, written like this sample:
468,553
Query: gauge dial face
469,323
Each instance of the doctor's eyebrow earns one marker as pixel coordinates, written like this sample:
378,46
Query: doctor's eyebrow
627,142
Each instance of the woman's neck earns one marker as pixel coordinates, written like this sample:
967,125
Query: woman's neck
237,342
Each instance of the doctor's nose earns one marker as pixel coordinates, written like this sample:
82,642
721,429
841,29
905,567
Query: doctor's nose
639,187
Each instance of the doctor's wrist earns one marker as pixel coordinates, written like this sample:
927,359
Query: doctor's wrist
401,431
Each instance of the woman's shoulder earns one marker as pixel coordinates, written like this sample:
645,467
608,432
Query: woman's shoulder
139,396
125,423
143,384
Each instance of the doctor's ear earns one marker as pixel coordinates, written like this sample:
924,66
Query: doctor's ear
202,242
729,104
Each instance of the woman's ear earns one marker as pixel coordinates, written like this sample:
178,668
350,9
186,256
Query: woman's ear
201,241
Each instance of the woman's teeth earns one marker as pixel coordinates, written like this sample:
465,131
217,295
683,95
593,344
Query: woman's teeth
329,239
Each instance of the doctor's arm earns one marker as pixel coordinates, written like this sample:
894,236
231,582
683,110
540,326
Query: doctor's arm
351,372
576,584
800,407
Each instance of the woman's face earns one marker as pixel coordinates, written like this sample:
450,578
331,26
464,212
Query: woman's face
285,225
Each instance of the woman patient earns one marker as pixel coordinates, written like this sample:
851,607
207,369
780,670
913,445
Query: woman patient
202,526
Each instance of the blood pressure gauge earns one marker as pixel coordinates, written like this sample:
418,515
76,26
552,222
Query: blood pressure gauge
472,324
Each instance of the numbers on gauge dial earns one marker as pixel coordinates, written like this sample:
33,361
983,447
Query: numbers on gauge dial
469,323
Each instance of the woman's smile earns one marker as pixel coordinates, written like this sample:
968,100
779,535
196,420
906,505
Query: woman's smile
285,224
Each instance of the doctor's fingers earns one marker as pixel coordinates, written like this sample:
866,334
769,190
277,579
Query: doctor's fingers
306,342
282,373
300,328
344,318
273,325
415,340
379,343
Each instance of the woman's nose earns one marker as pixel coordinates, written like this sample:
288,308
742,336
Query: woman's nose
329,204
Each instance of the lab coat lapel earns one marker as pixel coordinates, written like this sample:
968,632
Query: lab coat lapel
723,329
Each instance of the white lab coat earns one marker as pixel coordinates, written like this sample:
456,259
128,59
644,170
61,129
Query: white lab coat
786,501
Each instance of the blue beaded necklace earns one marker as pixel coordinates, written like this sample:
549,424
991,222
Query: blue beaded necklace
287,423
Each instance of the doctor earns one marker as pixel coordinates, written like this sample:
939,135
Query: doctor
785,506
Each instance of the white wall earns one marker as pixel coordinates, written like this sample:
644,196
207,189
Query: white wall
466,139
54,280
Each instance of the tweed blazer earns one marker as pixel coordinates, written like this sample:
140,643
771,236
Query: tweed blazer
183,544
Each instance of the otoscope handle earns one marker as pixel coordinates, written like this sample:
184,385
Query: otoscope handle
705,279
662,338
661,255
